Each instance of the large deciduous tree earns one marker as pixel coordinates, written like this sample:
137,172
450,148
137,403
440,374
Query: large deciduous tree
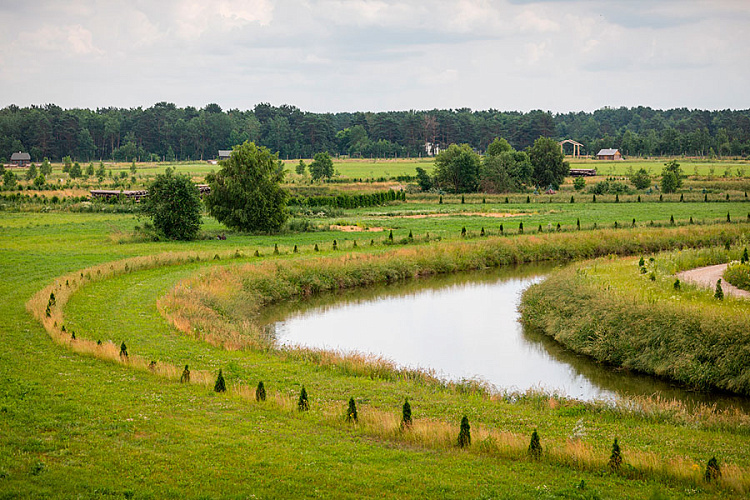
550,167
174,205
246,193
457,169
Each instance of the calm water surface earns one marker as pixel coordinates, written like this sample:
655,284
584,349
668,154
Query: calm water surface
463,327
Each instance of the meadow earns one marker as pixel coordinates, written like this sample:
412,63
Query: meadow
80,420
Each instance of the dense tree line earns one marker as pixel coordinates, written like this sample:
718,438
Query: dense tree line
166,132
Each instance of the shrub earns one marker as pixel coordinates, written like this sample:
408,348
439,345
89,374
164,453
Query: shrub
463,231
302,403
390,236
220,385
406,414
260,391
351,412
615,459
481,233
295,249
520,228
676,285
719,293
335,245
578,184
185,377
744,257
174,205
276,248
463,201
535,446
123,349
713,471
464,434
316,248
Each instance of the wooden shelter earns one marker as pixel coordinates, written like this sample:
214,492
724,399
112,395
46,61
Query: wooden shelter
576,147
136,195
609,154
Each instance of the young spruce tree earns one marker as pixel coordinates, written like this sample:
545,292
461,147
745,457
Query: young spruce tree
464,434
220,385
351,412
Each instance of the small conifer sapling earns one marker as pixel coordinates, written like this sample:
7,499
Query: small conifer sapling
615,459
464,434
123,349
535,446
406,415
713,471
719,293
351,412
185,377
302,403
260,392
220,385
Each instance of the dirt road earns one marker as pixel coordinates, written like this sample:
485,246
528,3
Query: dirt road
708,276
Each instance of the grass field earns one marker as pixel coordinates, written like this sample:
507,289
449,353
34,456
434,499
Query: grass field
74,425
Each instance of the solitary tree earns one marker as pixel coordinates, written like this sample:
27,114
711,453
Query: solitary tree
406,414
615,459
246,193
640,179
671,177
302,403
220,385
535,446
321,166
260,392
301,167
464,434
174,205
548,162
351,412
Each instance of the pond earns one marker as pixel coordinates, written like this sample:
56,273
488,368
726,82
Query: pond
462,326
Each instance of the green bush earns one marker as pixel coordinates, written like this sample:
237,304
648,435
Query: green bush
302,402
738,274
535,446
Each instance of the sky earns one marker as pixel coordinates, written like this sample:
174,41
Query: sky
377,55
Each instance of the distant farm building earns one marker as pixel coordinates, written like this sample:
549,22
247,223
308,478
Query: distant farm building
582,172
224,154
432,149
609,154
576,147
20,159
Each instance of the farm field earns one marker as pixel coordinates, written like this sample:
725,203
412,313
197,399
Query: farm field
67,417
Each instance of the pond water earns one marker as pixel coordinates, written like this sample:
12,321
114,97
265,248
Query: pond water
462,326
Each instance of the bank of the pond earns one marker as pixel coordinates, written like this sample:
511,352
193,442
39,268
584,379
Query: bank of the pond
220,306
638,317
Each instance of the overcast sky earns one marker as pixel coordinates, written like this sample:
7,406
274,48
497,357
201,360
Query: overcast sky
362,55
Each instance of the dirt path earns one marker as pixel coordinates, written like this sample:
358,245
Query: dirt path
708,276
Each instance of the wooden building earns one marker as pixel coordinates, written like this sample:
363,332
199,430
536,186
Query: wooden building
20,159
224,154
609,154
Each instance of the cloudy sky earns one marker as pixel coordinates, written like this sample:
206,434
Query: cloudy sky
374,55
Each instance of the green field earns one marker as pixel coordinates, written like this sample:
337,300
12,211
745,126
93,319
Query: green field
74,425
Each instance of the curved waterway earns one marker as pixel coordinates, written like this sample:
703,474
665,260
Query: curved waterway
462,326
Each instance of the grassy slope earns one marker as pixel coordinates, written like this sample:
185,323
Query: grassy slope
73,425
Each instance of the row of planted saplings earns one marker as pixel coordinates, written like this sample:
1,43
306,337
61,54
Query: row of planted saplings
712,473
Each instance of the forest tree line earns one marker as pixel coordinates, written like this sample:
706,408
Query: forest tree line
165,132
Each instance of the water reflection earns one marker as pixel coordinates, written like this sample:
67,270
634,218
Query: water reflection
463,326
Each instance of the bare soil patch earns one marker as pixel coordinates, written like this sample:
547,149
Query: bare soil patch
707,277
356,229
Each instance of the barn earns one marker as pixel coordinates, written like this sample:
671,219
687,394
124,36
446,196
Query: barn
20,159
609,154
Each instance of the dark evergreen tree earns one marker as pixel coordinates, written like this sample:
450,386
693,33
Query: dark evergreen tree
464,434
302,403
123,348
535,446
713,471
220,385
463,231
185,377
676,285
260,392
719,293
615,459
351,412
406,414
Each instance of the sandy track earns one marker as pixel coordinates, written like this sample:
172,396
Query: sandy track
708,276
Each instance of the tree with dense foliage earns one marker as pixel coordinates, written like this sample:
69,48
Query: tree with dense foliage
246,194
321,166
579,183
31,172
75,171
423,179
301,168
457,169
45,168
640,179
174,205
504,169
548,162
535,446
671,177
